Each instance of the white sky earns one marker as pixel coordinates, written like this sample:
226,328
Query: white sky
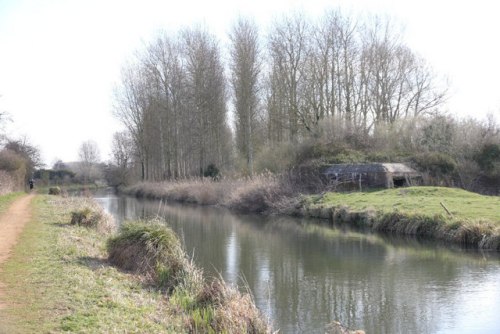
59,59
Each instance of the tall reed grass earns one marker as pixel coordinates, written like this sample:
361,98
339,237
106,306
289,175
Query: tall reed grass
265,193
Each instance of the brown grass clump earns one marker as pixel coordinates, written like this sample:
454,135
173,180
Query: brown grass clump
255,195
89,214
150,249
238,314
220,308
337,328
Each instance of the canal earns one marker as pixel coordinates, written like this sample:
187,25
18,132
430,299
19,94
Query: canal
304,274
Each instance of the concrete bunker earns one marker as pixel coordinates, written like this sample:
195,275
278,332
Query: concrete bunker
371,175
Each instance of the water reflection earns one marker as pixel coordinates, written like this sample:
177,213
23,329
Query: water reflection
305,274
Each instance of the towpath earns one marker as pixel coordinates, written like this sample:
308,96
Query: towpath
12,222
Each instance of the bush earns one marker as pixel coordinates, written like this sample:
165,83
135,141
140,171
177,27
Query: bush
488,157
16,167
275,159
11,161
54,191
327,152
212,171
435,163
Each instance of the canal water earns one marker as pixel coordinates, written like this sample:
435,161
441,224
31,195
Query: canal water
305,274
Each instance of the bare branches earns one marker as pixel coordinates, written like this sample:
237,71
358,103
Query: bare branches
245,72
358,73
173,103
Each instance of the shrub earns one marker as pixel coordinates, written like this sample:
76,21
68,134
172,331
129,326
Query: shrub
10,160
54,191
212,171
276,158
488,157
150,249
16,167
435,163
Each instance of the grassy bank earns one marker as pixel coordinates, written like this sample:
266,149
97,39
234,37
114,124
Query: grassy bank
59,280
154,251
6,200
448,214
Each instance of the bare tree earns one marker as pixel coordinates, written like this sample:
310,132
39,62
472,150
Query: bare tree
206,88
89,158
172,100
344,72
288,49
121,149
130,108
399,83
121,171
245,71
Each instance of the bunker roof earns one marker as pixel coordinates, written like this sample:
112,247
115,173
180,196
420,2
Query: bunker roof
393,168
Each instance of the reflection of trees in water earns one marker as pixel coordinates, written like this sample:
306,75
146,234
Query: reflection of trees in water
307,275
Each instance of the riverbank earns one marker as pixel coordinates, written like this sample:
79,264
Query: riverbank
59,280
263,194
447,214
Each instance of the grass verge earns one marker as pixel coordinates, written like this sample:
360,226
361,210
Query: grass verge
6,200
59,281
448,214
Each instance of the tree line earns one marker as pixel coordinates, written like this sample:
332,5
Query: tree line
174,97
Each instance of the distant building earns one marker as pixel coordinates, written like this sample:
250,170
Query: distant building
371,175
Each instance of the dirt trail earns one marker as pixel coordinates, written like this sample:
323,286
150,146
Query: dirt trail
12,222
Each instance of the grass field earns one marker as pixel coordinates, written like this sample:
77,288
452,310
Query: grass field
420,200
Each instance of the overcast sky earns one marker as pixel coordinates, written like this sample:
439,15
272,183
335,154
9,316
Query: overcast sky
59,59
